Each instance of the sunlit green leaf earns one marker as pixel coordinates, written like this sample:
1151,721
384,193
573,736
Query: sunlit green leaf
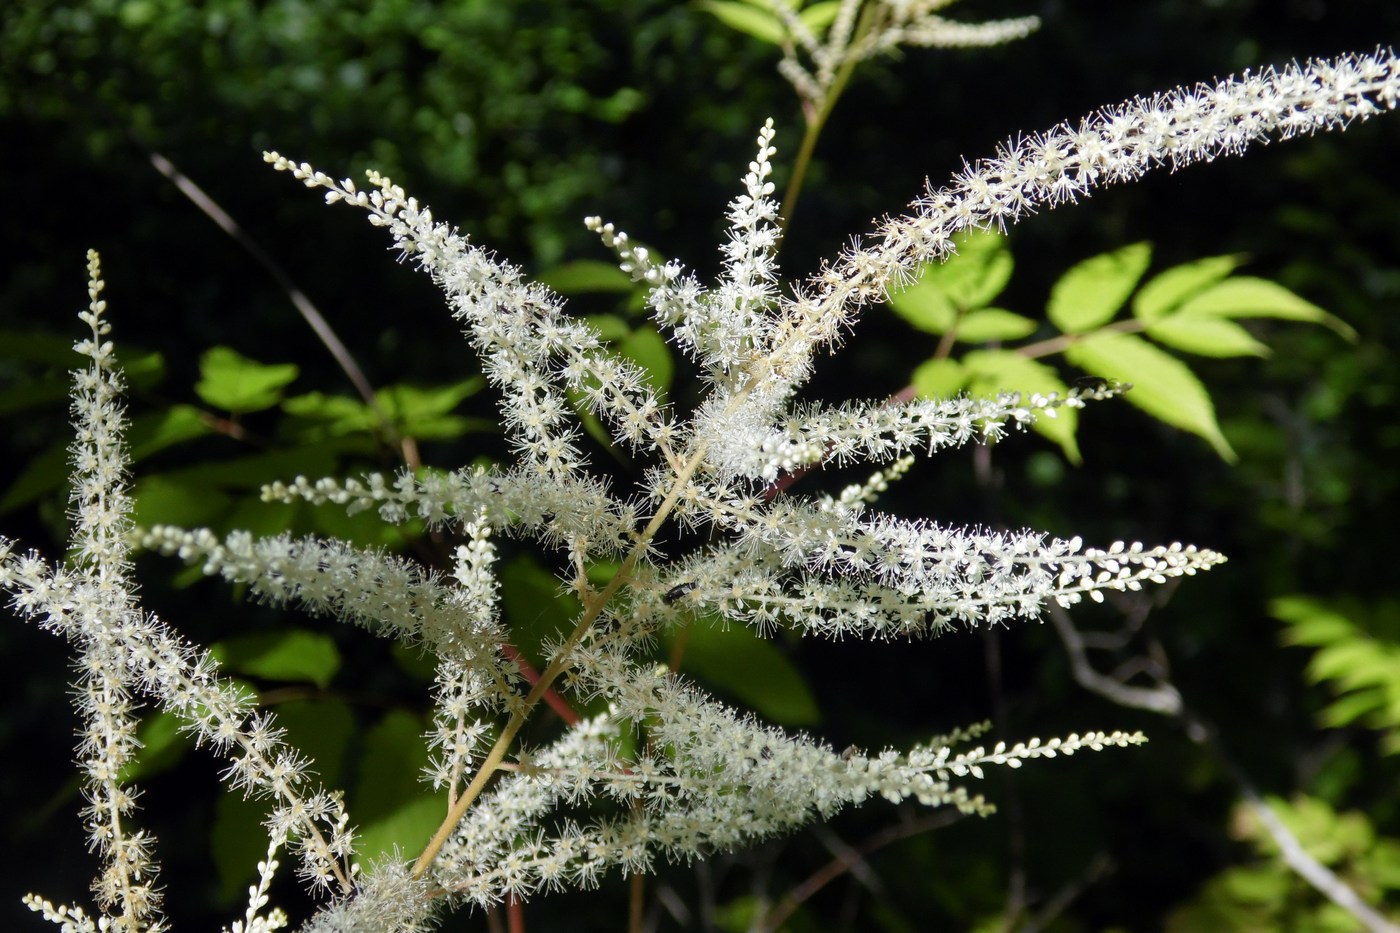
232,382
1245,296
162,743
1163,386
609,326
996,371
986,324
818,16
426,411
1206,336
750,20
976,273
1091,292
940,378
925,306
1164,292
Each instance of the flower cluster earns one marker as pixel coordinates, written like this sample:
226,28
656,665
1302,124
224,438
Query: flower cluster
699,776
858,31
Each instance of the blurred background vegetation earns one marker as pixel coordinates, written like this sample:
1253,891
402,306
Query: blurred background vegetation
515,120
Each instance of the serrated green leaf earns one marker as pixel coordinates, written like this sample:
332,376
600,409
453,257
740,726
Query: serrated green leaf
752,670
295,655
230,381
586,276
648,349
750,20
1246,296
986,324
1163,386
1205,336
1165,292
940,378
994,371
1091,292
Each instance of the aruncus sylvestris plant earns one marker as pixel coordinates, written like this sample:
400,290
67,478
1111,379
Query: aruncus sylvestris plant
667,772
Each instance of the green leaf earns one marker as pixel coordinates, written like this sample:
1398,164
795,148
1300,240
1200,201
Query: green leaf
161,745
390,803
976,273
1165,291
1091,292
1338,660
150,434
168,500
232,382
818,16
1310,622
645,347
1163,386
996,371
425,412
585,276
610,327
1351,709
34,393
749,20
965,281
925,306
752,670
1246,296
942,378
296,655
236,841
147,435
1205,336
536,606
987,324
45,472
324,729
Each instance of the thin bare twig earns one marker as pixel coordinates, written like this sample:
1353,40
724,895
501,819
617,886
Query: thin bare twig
849,861
1166,699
